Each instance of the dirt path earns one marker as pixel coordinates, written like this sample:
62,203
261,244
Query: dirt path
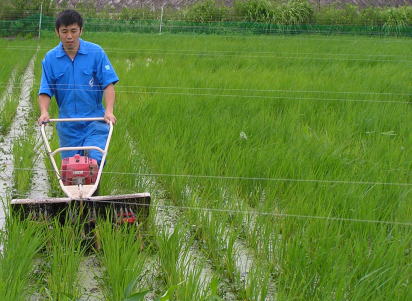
17,130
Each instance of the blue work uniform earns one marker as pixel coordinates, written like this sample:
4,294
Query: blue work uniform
78,86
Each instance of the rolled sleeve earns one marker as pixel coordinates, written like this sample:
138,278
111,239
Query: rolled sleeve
46,84
107,74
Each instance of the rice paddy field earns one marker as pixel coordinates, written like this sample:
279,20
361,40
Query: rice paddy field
279,168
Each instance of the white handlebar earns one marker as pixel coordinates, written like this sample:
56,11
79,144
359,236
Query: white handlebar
76,119
58,150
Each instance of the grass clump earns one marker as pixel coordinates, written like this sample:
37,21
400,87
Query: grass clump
8,111
123,259
182,272
65,250
23,156
21,241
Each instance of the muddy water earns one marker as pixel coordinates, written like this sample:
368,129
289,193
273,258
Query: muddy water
17,130
89,275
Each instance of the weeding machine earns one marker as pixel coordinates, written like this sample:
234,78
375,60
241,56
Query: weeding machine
79,179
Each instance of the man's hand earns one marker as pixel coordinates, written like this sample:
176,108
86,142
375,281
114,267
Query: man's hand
109,117
44,117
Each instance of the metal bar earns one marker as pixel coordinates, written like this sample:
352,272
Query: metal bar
49,152
76,119
106,148
40,201
106,198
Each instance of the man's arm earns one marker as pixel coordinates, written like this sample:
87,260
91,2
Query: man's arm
44,102
109,98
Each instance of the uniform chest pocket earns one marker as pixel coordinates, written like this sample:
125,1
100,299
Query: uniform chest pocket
87,79
60,78
61,81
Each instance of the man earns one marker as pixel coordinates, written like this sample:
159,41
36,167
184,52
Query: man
78,74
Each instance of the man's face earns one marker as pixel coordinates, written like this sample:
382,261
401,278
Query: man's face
69,35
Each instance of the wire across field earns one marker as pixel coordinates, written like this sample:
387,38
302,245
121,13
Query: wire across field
293,150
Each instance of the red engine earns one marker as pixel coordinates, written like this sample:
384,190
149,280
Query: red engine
79,170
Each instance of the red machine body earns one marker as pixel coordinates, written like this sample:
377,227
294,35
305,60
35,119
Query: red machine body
79,170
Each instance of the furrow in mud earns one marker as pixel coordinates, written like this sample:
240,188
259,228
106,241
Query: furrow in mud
166,220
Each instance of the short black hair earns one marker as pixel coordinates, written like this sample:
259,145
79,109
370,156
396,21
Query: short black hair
69,17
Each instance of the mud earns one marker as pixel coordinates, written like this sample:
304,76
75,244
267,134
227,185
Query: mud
90,273
17,130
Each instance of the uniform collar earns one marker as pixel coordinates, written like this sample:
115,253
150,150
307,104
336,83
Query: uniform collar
60,50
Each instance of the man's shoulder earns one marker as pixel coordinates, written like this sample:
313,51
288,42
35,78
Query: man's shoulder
91,47
52,52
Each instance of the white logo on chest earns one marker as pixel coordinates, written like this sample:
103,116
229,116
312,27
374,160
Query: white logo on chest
91,82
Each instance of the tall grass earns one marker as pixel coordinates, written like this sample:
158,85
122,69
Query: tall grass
314,129
64,254
21,241
182,271
23,156
292,115
11,68
123,257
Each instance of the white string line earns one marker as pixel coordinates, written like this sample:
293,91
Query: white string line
240,89
221,52
287,98
329,38
332,37
263,213
246,178
137,50
274,56
260,30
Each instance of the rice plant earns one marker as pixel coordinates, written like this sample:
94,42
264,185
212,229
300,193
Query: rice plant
21,242
65,250
123,258
23,154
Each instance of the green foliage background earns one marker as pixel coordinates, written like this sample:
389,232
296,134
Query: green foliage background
21,18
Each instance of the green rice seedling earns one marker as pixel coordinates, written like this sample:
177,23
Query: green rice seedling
18,53
257,287
65,250
23,155
8,111
182,273
123,258
21,241
11,68
320,125
218,240
311,132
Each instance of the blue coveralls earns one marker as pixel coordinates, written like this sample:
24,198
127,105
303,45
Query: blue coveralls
78,86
